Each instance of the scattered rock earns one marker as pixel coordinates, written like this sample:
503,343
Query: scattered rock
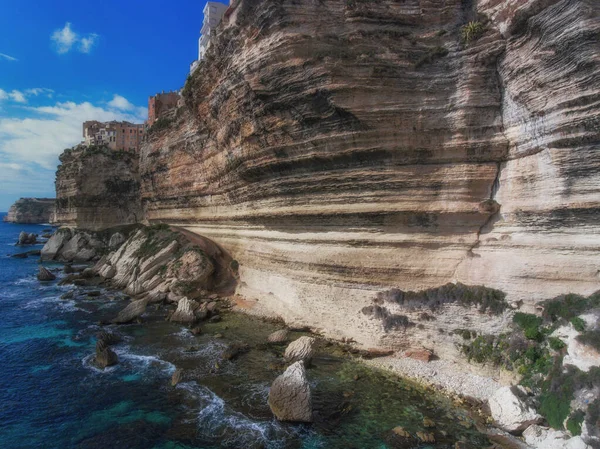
68,295
108,337
196,330
88,273
184,312
177,376
20,256
290,397
218,335
94,293
234,350
373,353
426,437
300,349
425,355
106,357
399,430
511,409
69,269
131,312
27,239
279,336
428,423
215,319
212,306
44,274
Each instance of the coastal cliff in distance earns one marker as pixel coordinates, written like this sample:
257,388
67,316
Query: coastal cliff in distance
97,188
348,152
31,211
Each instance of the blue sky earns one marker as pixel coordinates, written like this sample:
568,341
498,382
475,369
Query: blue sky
66,61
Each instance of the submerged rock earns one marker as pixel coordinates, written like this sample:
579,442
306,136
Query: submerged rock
131,312
290,396
234,350
279,336
177,376
300,349
20,256
44,274
511,409
108,337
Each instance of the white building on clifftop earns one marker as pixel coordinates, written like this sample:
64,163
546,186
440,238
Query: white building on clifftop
213,13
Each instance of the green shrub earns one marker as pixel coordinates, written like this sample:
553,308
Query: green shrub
472,31
575,421
578,324
530,325
556,343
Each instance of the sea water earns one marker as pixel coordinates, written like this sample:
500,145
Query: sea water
53,396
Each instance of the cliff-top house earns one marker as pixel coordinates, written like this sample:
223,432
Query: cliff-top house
160,104
213,13
123,136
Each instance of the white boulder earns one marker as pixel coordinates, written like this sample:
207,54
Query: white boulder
511,409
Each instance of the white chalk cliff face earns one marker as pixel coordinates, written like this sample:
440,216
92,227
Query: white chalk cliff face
341,149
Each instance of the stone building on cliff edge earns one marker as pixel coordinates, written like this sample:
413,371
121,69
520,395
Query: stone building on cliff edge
123,136
213,13
160,104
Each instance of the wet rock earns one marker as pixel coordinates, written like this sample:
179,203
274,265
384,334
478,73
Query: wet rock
300,349
69,269
68,295
106,357
511,409
196,330
234,350
47,235
426,437
131,312
177,376
34,252
184,312
88,273
44,274
424,355
20,256
27,239
94,293
215,319
290,396
108,337
279,336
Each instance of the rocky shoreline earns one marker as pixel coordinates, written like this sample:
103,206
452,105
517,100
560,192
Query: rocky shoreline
195,279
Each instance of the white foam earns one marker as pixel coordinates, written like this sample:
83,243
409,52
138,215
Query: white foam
233,429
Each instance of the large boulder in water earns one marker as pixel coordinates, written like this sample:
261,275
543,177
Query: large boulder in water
300,349
105,356
131,312
290,397
44,274
185,311
511,409
27,239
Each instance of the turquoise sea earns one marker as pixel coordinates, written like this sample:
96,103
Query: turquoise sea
52,396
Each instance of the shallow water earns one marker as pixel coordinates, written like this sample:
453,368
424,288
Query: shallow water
52,396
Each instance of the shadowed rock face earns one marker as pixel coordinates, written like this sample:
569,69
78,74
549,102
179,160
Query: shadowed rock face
97,188
337,151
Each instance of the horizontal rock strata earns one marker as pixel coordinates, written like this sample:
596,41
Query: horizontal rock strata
341,149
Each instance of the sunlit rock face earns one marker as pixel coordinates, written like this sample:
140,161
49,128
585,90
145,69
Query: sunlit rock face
340,149
30,210
97,188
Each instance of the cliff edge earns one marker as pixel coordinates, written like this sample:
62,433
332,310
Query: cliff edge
31,211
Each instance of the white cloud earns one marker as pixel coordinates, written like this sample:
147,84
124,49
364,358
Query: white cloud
39,91
39,139
65,39
121,103
3,95
87,43
17,96
7,57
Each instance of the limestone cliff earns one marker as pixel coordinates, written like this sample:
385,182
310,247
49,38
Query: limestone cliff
31,210
346,152
97,188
